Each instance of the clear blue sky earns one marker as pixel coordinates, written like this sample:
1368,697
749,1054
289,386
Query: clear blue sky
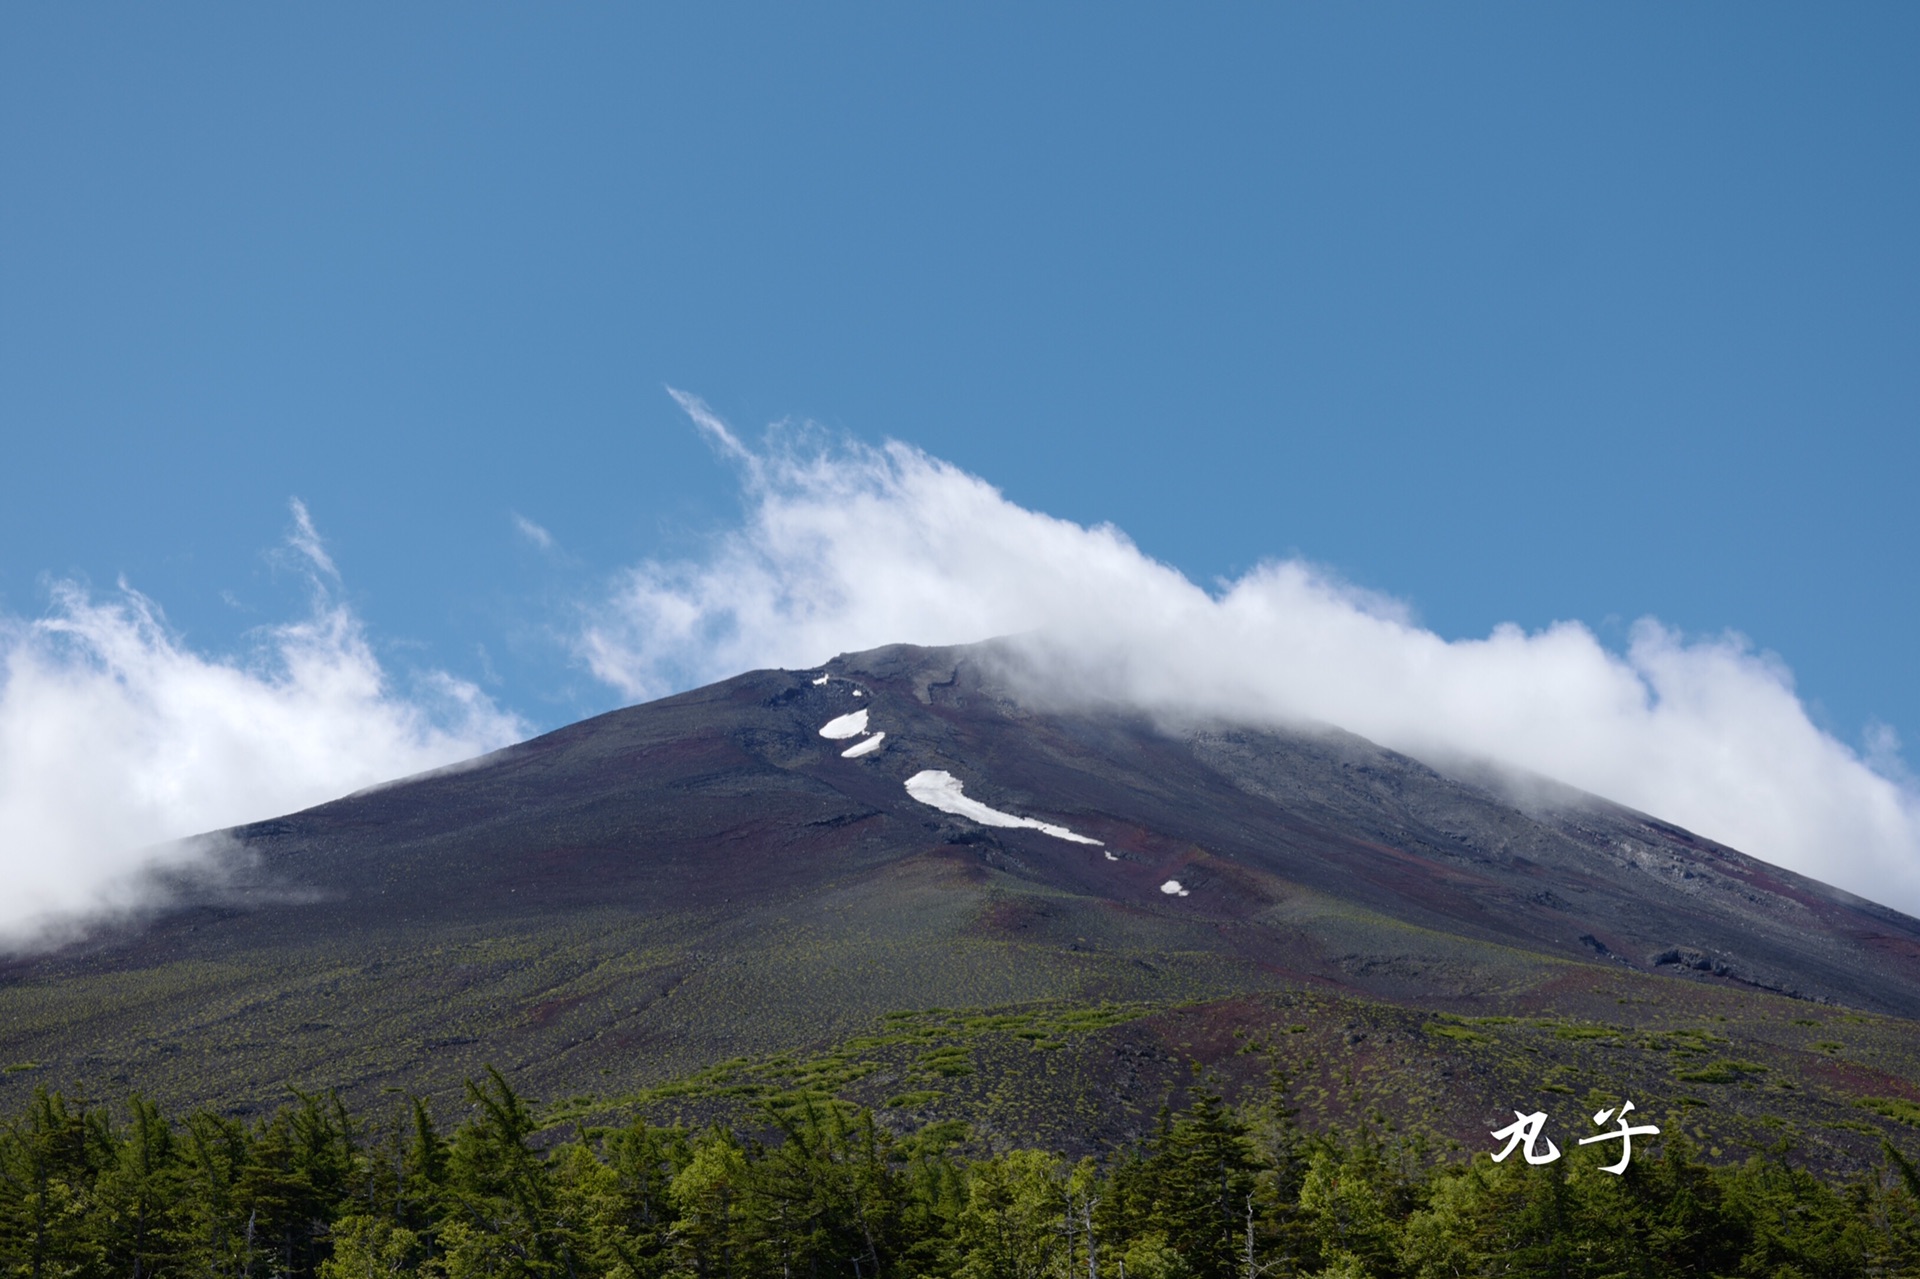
1519,312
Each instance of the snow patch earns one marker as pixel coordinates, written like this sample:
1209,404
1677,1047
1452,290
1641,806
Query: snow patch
1112,858
942,790
845,726
867,747
1172,888
823,679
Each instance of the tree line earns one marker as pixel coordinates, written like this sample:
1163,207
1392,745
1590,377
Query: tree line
821,1190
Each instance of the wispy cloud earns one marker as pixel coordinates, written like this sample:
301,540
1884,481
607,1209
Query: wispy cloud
532,532
115,738
847,547
718,433
306,541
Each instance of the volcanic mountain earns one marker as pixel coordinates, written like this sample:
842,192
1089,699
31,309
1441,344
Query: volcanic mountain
898,879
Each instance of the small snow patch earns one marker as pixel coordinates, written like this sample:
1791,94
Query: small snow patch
1172,888
859,692
942,790
845,726
867,747
1112,858
823,679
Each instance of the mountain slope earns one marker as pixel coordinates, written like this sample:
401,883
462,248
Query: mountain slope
707,878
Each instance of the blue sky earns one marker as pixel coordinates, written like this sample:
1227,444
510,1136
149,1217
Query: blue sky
1518,313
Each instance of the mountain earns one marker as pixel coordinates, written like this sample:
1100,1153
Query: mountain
679,907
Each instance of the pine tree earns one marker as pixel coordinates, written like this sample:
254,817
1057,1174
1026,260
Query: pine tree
137,1195
1207,1176
1891,1209
826,1199
620,1197
214,1232
49,1160
1010,1226
498,1218
710,1237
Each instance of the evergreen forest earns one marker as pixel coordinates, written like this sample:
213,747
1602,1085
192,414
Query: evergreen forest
313,1191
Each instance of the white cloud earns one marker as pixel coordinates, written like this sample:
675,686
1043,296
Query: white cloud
849,547
533,532
115,737
306,541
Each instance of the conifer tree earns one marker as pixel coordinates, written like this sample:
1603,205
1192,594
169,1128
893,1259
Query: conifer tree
136,1196
1010,1226
215,1228
1206,1177
621,1198
1891,1210
708,1197
49,1159
497,1221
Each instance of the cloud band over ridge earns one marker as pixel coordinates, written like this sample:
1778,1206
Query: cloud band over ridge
847,547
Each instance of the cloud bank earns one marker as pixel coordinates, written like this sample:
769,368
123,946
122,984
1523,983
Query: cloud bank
114,738
846,547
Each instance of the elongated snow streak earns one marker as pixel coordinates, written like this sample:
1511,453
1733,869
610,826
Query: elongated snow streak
867,747
845,726
942,790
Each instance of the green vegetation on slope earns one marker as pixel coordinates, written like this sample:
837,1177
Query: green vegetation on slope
1082,1078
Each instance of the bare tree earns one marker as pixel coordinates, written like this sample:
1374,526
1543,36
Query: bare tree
1254,1269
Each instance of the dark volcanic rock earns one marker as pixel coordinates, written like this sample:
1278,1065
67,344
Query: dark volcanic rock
705,876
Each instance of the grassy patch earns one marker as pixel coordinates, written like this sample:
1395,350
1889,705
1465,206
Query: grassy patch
908,1100
1899,1108
1584,1032
1463,1034
1722,1072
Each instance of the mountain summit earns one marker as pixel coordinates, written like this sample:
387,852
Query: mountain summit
776,864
